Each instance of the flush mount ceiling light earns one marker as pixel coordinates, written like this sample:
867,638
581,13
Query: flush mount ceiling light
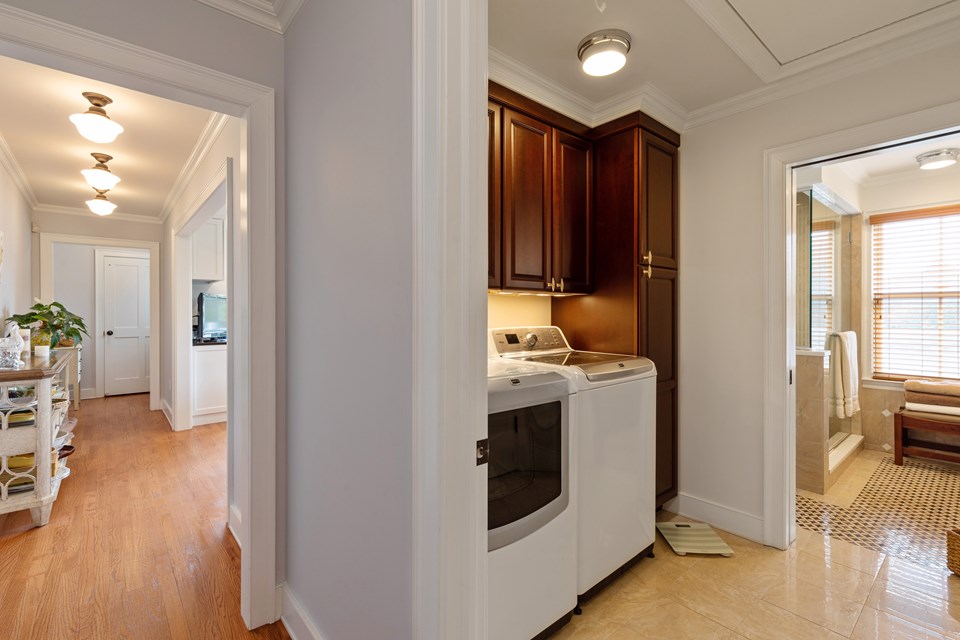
100,205
94,124
99,177
604,52
938,159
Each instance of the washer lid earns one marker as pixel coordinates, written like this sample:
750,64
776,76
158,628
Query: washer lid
596,366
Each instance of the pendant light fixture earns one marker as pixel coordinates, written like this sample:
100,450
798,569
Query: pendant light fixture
100,205
100,177
94,124
604,52
938,159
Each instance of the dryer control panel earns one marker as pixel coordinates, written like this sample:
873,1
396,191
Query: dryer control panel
526,339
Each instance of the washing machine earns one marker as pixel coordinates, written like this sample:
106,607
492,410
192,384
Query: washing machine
531,508
615,447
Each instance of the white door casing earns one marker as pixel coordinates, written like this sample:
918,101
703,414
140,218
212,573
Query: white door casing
126,316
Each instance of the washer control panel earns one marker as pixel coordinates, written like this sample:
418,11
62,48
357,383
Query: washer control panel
526,339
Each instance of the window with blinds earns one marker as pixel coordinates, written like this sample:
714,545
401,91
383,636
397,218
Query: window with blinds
821,283
916,294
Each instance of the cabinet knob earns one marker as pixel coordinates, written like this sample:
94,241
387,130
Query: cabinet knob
561,285
648,257
648,271
553,284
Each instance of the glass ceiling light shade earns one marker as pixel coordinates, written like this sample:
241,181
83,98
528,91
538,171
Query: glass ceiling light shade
100,205
604,52
94,124
938,159
99,177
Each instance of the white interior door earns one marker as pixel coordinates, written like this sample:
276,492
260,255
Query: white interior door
126,321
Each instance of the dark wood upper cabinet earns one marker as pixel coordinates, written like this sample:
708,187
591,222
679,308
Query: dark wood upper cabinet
527,202
658,201
494,184
572,213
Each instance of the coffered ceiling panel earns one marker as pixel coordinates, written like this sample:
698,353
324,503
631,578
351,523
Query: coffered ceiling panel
800,29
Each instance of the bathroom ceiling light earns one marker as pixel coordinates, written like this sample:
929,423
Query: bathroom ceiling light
94,124
100,205
938,159
99,177
604,52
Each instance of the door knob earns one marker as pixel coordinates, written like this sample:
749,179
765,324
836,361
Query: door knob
109,333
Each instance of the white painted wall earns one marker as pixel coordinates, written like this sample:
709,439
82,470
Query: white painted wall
350,277
15,280
74,284
722,270
916,190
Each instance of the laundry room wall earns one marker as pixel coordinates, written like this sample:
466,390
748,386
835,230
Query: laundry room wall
517,311
722,262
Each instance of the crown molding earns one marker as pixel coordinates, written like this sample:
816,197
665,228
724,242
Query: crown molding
647,98
731,27
274,15
208,137
86,213
938,36
10,164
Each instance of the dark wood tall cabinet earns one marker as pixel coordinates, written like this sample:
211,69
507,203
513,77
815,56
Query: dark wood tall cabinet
634,306
494,185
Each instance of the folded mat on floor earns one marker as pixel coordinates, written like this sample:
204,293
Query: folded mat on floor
931,398
932,408
938,387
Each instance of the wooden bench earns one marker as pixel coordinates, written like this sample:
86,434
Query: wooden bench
905,420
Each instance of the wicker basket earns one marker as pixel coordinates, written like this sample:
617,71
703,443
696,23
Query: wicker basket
953,551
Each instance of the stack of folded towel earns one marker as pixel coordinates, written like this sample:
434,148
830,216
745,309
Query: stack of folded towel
932,397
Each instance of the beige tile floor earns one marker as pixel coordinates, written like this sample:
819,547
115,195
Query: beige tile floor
817,589
848,486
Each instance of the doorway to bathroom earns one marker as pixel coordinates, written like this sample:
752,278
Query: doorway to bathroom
877,263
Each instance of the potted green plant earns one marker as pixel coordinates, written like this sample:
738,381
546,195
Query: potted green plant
52,324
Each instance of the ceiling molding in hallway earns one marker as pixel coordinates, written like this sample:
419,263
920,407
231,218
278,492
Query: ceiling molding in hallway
274,15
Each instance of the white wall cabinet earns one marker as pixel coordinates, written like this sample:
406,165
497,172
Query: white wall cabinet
209,249
209,384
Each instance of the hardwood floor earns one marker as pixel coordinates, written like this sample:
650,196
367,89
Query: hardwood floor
137,545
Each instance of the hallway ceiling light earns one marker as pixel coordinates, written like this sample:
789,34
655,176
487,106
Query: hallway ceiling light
938,159
99,177
94,124
100,205
604,52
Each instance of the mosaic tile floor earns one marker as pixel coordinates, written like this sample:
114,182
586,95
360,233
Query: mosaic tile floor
901,511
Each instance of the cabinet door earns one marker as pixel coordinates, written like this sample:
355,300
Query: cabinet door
658,202
527,199
572,213
658,341
494,181
208,250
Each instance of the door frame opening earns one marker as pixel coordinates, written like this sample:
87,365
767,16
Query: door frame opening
779,393
39,40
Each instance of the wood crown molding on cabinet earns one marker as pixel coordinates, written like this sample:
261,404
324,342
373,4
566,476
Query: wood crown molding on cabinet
274,15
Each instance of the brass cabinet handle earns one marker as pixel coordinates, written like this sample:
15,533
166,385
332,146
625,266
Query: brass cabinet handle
561,285
553,284
648,257
648,271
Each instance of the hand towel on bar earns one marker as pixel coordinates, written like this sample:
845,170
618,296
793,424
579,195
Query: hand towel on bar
932,408
931,398
942,387
845,374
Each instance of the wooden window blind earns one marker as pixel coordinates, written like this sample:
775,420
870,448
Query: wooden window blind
821,283
916,294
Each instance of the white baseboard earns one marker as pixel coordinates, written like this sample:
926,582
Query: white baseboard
716,515
233,523
209,418
89,393
168,412
295,619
